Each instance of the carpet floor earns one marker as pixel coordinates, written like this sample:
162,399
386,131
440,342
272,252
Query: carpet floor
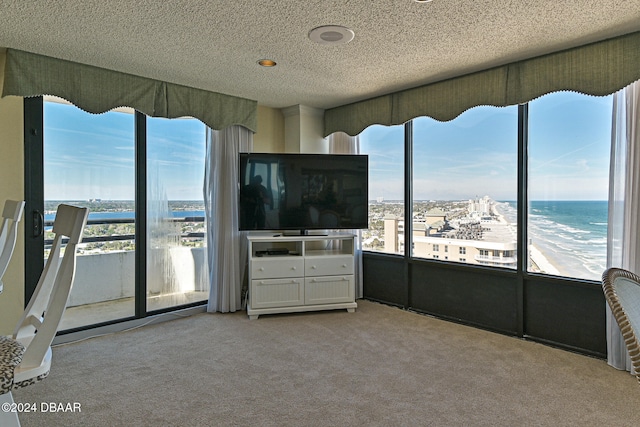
379,366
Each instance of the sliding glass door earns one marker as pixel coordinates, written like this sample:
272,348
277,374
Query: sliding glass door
89,161
141,178
176,257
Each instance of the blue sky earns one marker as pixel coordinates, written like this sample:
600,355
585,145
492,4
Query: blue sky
476,153
569,147
92,156
176,155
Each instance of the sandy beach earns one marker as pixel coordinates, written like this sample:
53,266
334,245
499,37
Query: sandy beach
540,263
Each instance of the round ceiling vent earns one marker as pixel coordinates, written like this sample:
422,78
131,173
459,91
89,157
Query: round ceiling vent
331,34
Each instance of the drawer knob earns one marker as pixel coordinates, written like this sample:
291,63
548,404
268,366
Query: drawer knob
293,268
261,268
313,267
344,265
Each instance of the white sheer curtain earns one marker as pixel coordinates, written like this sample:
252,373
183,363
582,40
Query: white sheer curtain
623,245
341,143
226,246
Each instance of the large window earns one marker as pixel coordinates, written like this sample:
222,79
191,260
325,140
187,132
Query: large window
385,147
464,184
569,147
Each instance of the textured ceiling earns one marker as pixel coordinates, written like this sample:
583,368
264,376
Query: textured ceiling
214,45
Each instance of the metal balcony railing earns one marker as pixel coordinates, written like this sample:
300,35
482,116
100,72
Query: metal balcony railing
124,237
496,259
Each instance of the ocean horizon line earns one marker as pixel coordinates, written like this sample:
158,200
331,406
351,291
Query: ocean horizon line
495,200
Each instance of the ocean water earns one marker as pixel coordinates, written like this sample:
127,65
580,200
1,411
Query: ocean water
572,235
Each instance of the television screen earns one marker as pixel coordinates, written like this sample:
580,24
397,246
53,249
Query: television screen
303,191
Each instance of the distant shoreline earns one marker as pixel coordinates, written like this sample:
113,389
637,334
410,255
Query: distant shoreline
540,263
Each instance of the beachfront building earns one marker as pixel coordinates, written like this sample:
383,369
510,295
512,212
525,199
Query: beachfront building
482,236
481,207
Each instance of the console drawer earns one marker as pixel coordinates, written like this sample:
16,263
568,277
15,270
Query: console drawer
332,266
287,266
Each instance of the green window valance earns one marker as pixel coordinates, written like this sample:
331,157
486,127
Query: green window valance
97,90
596,69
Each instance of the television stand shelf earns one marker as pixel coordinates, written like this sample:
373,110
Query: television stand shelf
302,273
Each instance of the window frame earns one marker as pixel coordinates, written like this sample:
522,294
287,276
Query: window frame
522,203
33,110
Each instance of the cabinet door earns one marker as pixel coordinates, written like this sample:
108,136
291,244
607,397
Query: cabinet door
329,290
269,293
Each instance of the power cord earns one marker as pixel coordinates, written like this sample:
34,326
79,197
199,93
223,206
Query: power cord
149,322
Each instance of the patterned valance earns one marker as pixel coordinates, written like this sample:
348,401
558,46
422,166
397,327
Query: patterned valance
97,90
596,69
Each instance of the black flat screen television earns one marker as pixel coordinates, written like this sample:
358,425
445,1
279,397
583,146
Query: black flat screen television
303,191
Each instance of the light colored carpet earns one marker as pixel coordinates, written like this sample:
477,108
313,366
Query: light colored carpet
379,366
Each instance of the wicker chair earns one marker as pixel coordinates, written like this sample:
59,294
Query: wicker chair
622,292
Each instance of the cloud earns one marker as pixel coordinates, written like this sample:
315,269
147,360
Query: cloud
562,156
583,164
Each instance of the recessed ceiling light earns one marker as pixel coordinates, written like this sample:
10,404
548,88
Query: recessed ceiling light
267,62
331,34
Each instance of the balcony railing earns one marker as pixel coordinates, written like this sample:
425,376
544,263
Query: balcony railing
104,287
123,237
495,259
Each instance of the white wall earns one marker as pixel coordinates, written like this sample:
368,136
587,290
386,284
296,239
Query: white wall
271,131
11,187
303,130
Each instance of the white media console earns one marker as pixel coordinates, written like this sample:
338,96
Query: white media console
300,273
